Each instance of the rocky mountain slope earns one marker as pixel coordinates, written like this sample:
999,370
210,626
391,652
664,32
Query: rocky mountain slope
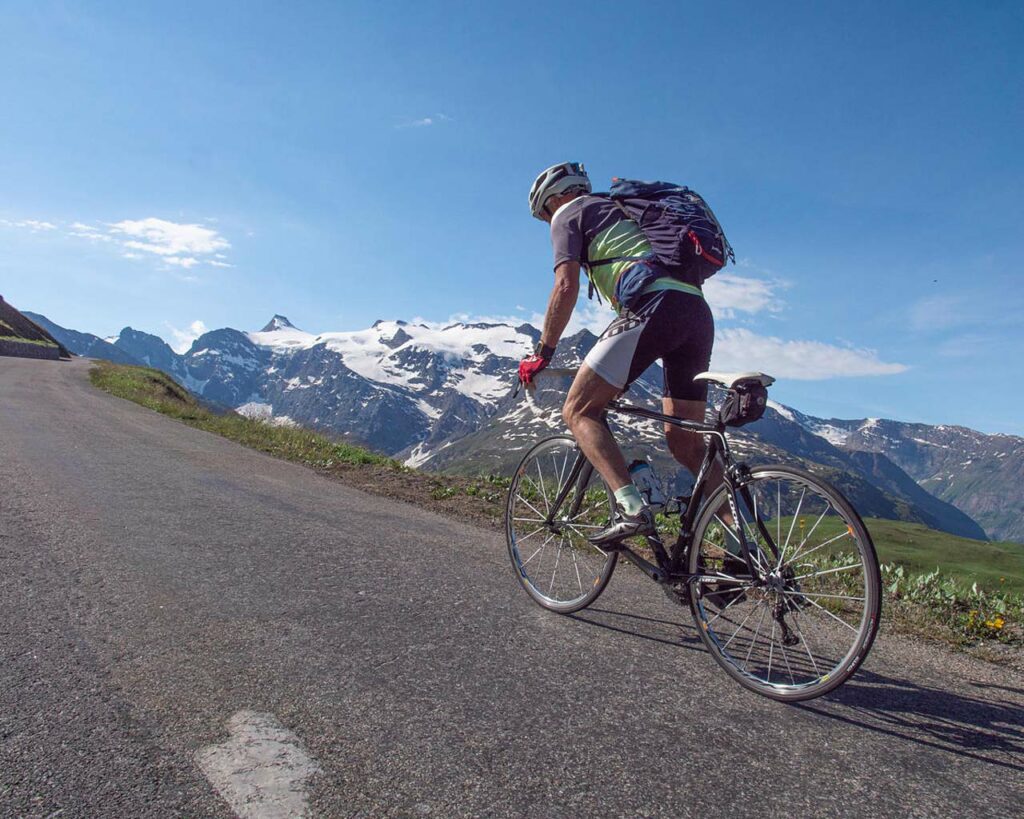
85,344
439,397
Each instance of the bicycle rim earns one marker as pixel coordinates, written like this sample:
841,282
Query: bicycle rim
556,565
807,628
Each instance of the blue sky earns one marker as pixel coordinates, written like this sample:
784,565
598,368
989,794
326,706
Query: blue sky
168,164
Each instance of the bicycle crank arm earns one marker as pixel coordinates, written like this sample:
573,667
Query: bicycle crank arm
645,566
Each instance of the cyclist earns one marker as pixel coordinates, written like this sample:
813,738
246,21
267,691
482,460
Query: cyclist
659,317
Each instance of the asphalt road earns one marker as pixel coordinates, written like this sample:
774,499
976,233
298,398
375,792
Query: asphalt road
157,581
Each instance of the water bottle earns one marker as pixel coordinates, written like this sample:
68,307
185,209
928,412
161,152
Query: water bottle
648,485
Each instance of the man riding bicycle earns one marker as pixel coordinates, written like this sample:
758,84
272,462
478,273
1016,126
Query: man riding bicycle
659,317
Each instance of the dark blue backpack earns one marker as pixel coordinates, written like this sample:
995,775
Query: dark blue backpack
682,230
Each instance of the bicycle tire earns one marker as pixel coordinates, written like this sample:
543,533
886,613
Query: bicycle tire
786,594
584,562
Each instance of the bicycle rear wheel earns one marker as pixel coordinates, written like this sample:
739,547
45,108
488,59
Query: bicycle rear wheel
558,568
807,627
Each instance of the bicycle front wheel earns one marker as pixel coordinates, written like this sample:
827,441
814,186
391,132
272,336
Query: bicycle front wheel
548,547
805,624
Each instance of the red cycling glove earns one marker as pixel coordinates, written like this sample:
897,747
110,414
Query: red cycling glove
530,366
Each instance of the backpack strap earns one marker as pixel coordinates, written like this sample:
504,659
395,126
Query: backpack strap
615,259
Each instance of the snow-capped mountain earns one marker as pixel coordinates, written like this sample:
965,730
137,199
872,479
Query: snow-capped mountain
440,397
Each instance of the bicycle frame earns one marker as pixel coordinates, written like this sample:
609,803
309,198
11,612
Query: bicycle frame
670,564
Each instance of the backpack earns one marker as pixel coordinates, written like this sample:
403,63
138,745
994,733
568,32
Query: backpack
682,230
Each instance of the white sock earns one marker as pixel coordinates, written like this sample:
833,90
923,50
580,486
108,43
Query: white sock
629,499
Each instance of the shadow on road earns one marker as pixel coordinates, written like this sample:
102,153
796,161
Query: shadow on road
985,729
667,632
981,729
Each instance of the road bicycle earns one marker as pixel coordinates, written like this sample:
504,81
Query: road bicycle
775,565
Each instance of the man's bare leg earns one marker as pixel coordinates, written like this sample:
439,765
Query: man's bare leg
687,447
584,406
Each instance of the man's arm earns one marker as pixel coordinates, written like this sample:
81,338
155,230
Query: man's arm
561,303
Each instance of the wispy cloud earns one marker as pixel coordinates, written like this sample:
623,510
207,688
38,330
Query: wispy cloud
182,339
939,312
35,225
737,349
425,122
176,244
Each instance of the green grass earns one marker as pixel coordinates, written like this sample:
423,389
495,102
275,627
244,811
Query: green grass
993,566
38,342
155,390
920,549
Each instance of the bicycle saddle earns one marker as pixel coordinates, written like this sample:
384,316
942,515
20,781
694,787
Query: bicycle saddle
731,380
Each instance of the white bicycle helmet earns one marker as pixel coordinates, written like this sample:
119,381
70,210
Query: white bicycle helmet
557,179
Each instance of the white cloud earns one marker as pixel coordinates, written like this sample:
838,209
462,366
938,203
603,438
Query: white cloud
93,233
737,348
35,225
183,245
728,294
183,338
182,261
165,238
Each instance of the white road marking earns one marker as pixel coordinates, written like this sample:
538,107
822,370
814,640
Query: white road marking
261,770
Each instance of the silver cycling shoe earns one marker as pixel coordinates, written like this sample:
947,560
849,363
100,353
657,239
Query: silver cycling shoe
624,526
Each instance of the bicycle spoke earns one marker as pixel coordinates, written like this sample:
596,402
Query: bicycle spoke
764,610
543,491
731,603
796,514
527,537
807,648
830,614
529,520
534,508
809,535
828,571
778,517
539,548
554,571
821,594
789,668
741,625
828,542
576,566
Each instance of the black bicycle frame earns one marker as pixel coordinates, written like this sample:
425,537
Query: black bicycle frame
670,565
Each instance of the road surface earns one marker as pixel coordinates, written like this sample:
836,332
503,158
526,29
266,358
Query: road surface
180,616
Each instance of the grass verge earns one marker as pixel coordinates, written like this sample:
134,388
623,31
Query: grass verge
37,341
157,391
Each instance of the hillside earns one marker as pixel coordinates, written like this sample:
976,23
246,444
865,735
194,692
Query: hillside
20,336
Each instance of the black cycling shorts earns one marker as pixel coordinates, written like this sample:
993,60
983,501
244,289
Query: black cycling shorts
671,325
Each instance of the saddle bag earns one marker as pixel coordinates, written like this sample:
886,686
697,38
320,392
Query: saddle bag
744,404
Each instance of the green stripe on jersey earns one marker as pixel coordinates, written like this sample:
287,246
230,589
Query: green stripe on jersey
621,239
668,283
